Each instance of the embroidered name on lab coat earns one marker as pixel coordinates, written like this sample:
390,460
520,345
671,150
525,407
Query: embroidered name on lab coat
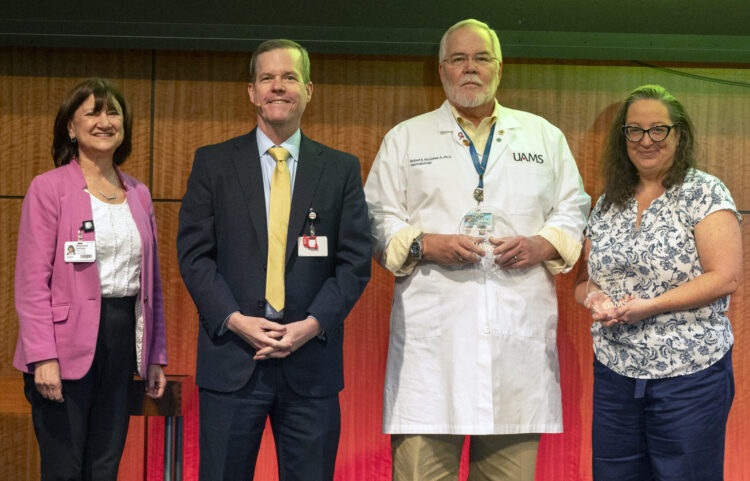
427,160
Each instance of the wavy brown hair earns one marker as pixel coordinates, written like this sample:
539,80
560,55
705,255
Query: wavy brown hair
106,94
620,175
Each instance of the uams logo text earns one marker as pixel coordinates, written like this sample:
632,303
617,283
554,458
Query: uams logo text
523,157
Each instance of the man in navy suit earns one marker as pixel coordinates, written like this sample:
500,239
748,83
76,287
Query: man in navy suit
271,346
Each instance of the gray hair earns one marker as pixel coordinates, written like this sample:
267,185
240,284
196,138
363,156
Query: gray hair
470,22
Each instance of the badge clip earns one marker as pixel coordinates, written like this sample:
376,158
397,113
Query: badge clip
312,216
312,245
310,242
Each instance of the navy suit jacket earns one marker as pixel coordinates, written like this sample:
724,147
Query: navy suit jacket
222,246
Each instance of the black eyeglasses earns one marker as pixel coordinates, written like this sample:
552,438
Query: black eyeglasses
657,133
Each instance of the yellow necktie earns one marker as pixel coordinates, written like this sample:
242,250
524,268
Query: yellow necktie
278,220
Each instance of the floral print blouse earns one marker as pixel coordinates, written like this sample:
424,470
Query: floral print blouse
659,256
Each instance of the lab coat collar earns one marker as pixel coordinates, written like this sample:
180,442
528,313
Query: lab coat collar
505,119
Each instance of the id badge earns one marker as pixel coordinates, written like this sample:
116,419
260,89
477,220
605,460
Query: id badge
312,246
81,251
476,223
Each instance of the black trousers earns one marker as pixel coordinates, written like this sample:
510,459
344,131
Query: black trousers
305,430
83,437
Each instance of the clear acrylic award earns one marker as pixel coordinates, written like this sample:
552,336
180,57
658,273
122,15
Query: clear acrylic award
606,291
485,222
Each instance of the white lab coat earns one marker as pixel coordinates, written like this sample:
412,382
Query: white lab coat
469,353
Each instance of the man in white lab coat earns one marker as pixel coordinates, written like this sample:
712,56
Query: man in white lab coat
471,351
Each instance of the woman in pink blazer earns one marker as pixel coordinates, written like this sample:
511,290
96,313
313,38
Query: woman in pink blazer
87,289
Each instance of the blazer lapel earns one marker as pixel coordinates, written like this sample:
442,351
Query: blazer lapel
81,199
247,164
309,169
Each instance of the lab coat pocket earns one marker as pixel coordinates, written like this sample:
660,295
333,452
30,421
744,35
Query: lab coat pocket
416,312
527,309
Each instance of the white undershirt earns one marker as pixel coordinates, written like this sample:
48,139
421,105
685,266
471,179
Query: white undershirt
118,249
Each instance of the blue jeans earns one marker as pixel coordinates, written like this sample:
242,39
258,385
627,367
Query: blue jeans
661,429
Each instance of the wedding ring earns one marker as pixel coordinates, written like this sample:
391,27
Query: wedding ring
515,258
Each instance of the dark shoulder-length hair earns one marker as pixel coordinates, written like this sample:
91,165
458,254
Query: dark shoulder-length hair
620,175
106,95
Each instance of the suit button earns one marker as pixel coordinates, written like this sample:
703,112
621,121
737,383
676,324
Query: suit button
145,299
261,304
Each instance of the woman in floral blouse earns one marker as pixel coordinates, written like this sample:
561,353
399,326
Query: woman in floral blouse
662,254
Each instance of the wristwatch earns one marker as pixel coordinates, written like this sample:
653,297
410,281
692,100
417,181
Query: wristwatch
415,250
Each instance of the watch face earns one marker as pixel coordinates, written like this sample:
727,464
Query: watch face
415,249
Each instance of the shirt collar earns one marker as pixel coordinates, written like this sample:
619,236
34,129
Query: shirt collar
291,144
463,122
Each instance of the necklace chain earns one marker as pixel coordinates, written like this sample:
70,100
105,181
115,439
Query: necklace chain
108,197
111,197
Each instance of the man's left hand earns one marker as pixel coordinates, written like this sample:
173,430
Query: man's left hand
297,333
521,252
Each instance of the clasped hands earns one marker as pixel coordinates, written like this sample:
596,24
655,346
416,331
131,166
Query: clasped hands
610,312
516,252
270,339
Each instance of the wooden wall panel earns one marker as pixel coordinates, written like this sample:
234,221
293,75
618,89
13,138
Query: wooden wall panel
737,464
582,100
358,99
365,350
133,459
200,98
181,315
19,455
10,213
33,82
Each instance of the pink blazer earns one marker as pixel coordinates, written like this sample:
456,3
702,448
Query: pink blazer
58,303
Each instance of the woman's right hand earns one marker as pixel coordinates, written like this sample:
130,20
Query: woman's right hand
47,380
601,307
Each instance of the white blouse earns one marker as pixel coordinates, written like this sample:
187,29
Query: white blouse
118,249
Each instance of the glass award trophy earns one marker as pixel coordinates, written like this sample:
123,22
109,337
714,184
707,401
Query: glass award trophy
606,291
485,222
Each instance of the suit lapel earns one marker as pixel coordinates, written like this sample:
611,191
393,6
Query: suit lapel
247,164
309,169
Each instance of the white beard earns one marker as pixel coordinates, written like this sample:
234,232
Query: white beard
467,100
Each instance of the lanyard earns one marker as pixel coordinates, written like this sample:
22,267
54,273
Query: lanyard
480,167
